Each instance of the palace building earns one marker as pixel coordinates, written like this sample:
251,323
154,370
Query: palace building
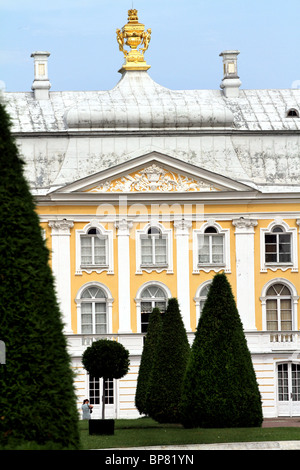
145,193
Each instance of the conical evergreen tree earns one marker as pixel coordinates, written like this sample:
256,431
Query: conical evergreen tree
146,365
220,387
165,384
37,399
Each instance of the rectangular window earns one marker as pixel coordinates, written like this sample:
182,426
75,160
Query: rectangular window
278,248
86,318
95,392
93,250
211,249
283,385
154,250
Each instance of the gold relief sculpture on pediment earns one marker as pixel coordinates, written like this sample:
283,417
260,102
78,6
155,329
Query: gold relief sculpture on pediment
154,178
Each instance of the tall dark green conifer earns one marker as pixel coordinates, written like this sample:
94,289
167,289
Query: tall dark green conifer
151,340
220,387
165,384
37,399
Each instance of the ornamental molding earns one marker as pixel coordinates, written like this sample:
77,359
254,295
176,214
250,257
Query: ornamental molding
154,178
61,227
244,223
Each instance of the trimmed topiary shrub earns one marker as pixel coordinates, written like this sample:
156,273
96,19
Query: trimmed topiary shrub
37,399
108,359
165,384
220,388
145,370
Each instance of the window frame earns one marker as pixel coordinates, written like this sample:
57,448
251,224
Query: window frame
166,234
103,234
80,301
294,301
139,299
96,384
211,266
286,230
200,299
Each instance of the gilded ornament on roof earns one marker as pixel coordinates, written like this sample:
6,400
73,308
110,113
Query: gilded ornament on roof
133,35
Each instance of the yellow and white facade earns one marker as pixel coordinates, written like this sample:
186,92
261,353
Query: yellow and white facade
145,193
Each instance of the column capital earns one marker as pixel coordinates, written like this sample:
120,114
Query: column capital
182,226
123,226
61,227
244,224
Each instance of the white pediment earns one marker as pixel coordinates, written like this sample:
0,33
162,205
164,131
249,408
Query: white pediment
156,173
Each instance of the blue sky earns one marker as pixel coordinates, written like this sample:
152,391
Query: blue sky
187,38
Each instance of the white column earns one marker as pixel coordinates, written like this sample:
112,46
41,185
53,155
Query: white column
124,227
182,228
244,242
61,267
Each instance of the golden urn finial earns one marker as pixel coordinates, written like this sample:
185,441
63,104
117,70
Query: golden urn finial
133,34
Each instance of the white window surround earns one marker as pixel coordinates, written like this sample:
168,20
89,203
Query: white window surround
199,298
294,299
293,265
109,267
139,299
211,267
109,302
165,233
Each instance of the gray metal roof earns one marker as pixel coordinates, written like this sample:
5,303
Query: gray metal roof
138,102
249,138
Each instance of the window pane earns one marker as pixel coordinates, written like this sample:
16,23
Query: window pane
272,315
146,307
146,247
160,251
286,315
161,306
203,244
100,250
86,250
217,249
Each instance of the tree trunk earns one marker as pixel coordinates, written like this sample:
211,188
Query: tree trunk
103,398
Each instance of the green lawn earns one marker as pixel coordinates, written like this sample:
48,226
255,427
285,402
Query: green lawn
146,432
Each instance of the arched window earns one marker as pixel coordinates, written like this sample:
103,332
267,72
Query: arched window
200,298
152,297
278,246
93,311
203,295
279,315
211,247
154,248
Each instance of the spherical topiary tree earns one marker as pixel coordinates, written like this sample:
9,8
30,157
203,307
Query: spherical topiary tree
108,359
220,388
165,383
149,350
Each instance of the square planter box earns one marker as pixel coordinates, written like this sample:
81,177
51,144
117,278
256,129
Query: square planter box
101,426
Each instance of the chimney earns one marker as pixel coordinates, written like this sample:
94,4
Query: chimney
41,84
231,81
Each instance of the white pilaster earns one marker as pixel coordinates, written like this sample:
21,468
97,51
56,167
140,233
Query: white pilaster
182,228
123,226
244,242
61,267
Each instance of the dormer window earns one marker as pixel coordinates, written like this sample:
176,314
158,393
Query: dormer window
293,113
